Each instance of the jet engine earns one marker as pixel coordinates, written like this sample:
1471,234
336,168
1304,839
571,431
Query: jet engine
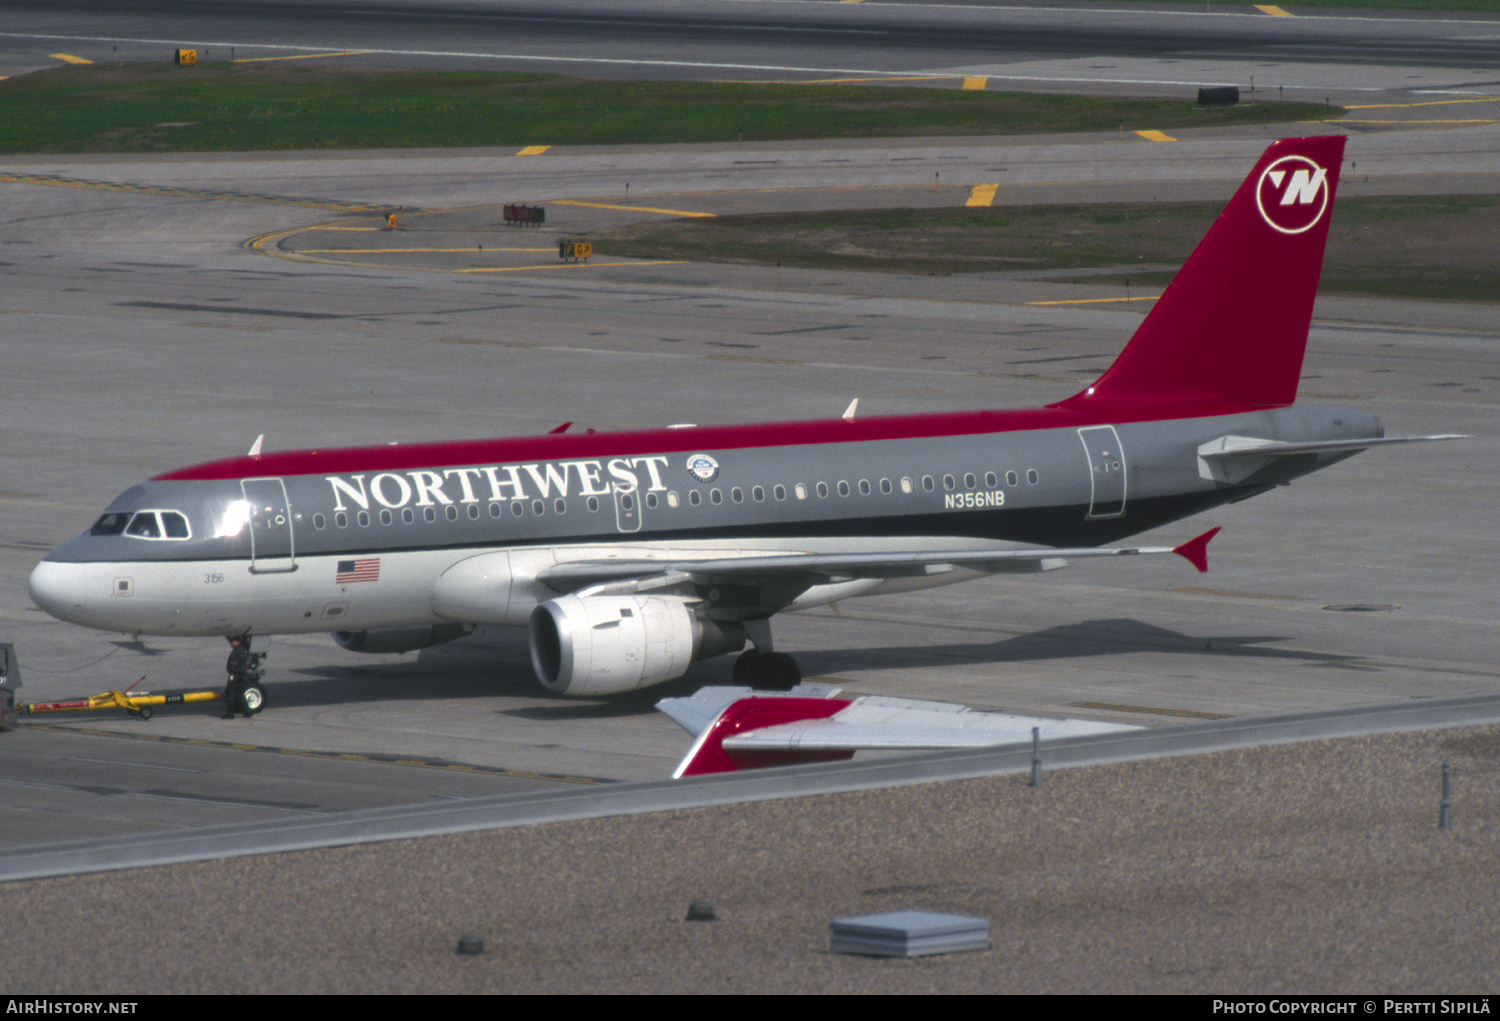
399,639
605,644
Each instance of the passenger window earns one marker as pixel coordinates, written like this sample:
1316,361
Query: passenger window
430,514
990,480
694,497
538,507
364,519
517,508
780,492
822,490
341,519
593,503
408,515
672,498
651,500
885,486
716,496
970,481
864,487
495,510
927,483
319,522
801,491
1011,479
452,512
737,495
906,486
1031,476
758,494
948,483
843,489
560,505
385,517
473,512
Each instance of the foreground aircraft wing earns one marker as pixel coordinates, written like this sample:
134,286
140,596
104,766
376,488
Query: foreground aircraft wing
820,568
736,728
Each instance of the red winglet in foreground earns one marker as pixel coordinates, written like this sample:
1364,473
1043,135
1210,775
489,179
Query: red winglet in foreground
738,729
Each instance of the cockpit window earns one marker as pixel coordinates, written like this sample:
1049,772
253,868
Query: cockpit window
167,524
144,526
110,524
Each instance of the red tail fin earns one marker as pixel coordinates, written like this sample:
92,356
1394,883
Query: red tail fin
1233,324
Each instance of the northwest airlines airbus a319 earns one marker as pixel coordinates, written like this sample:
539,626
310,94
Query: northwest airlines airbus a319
631,555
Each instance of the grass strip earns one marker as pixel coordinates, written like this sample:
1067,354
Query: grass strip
1419,247
305,105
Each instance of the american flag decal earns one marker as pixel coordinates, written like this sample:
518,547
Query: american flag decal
349,571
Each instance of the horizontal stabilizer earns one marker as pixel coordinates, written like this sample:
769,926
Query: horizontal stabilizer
1234,458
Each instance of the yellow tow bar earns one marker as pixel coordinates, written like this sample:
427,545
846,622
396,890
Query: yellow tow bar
137,705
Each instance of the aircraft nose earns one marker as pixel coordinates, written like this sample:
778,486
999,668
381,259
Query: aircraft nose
58,588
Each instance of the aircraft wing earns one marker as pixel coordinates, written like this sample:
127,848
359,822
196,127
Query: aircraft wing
823,568
736,728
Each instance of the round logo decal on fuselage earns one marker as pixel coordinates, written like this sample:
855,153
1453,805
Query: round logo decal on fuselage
703,468
1292,194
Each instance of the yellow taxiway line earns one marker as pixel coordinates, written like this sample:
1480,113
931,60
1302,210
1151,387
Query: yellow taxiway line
982,195
1092,301
402,251
633,209
1155,136
69,58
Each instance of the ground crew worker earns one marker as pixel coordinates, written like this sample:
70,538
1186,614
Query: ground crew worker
238,668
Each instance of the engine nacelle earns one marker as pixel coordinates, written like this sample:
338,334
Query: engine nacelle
399,639
603,645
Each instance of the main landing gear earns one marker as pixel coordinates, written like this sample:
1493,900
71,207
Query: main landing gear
760,668
771,671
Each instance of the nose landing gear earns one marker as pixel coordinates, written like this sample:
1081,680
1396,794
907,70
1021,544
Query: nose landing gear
245,693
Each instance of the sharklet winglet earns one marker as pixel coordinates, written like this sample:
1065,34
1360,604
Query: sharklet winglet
1195,551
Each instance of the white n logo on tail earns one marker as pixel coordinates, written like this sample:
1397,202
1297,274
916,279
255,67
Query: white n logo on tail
1293,194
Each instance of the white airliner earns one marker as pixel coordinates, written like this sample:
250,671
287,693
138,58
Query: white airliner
631,555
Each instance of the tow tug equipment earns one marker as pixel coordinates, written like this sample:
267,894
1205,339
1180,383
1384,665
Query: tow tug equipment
136,705
250,699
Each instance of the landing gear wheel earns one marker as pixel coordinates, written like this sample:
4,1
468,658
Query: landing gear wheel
746,667
144,712
782,672
774,671
251,699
